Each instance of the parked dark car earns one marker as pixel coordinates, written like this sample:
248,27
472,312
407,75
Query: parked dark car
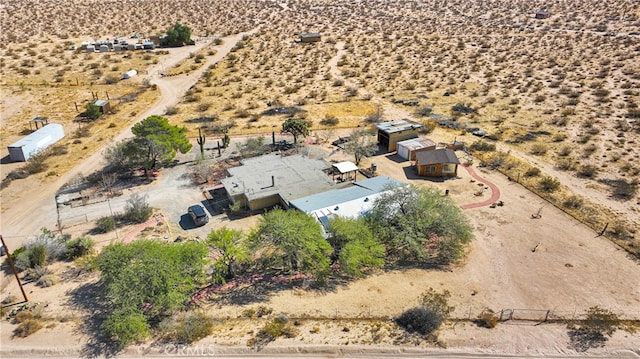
198,214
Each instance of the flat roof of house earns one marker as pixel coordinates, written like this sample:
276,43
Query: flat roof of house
346,166
310,34
440,155
397,126
100,102
346,198
417,143
293,177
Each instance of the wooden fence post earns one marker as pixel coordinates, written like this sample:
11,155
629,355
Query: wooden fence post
13,268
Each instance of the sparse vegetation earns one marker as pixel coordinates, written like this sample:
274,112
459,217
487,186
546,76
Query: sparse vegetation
429,315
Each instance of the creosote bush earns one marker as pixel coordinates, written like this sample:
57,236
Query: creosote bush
482,146
105,224
187,327
548,184
488,319
429,315
137,209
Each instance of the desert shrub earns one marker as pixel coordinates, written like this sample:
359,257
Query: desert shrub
633,113
79,247
624,190
47,280
558,137
496,160
419,319
278,327
548,184
424,111
110,79
572,202
588,171
439,302
564,164
204,106
137,209
427,126
41,249
187,327
263,311
36,163
538,149
36,273
37,255
488,319
565,151
462,109
105,224
58,150
329,121
429,315
482,146
589,150
27,328
532,172
595,330
171,110
249,313
87,263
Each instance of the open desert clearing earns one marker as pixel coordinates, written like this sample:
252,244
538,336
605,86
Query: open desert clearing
574,116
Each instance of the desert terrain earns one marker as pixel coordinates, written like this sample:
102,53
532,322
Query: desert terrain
559,95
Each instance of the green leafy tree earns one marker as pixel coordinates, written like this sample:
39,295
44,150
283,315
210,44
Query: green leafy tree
178,35
296,127
153,277
233,248
92,111
159,139
292,240
361,144
419,225
354,245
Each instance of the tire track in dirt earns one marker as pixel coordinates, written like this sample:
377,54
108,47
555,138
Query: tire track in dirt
26,217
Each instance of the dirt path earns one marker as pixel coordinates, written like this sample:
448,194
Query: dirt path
25,218
495,191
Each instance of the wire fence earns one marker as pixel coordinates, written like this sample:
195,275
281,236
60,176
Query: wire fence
539,315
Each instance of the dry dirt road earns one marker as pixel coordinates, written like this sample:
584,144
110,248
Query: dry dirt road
38,209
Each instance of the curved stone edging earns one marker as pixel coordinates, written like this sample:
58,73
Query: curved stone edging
495,191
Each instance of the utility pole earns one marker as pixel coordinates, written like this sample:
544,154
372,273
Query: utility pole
13,268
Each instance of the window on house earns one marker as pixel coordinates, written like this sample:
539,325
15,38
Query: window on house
431,169
448,168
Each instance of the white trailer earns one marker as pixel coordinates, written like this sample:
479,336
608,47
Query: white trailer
129,74
40,139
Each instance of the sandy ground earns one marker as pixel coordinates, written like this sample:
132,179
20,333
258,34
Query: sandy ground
570,270
18,221
565,275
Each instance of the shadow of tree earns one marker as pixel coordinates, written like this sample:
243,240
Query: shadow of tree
259,291
583,339
89,299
